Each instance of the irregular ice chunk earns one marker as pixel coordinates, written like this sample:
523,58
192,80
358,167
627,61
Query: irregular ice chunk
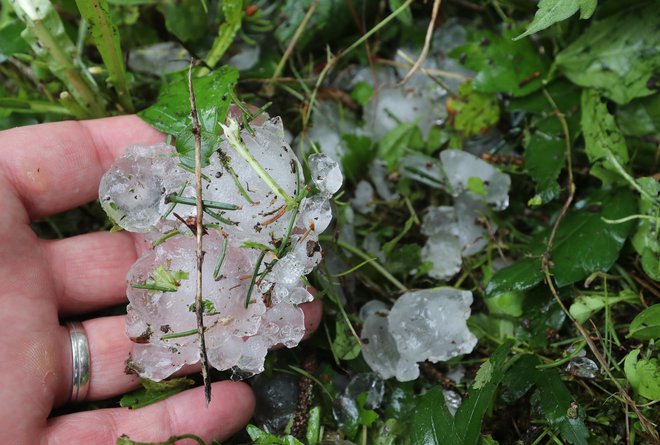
453,401
159,58
371,308
364,197
431,324
474,227
461,166
325,173
133,191
583,367
345,408
277,398
422,325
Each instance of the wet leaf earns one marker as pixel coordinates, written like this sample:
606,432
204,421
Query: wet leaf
643,375
585,306
646,325
502,65
171,113
473,112
261,437
645,240
640,117
186,19
11,41
345,345
544,161
602,138
553,11
617,55
521,275
152,392
432,423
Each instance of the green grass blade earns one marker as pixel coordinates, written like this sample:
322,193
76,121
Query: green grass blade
46,35
106,38
233,10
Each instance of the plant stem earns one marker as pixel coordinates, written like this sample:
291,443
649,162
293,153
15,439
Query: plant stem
199,233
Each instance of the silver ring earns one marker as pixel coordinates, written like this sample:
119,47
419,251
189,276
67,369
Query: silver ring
80,361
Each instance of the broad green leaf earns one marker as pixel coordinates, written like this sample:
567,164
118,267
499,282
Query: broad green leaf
585,306
559,408
470,414
186,19
432,423
541,314
584,242
502,65
602,138
617,55
11,41
171,112
521,275
646,325
553,11
551,396
152,392
345,345
233,11
45,33
507,303
473,112
106,39
329,20
643,375
640,117
366,416
544,160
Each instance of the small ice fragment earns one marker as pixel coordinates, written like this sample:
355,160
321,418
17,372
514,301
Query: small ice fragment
345,408
159,58
583,367
325,173
378,175
440,220
431,324
277,399
315,213
246,56
453,401
364,197
462,168
133,191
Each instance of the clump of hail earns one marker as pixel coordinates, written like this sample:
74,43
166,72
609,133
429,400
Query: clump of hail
262,225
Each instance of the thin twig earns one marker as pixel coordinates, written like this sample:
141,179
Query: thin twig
427,43
199,233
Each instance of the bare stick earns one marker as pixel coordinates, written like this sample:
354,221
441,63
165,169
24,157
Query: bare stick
199,232
427,43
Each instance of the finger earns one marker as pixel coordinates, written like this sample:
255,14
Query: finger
89,271
57,166
230,409
109,349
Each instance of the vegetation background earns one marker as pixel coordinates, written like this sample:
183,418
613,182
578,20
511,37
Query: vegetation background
567,92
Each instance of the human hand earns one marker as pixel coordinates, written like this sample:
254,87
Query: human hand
47,169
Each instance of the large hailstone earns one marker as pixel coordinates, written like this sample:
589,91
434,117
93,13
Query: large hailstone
422,325
147,191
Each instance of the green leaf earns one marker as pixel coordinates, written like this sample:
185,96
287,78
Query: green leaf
432,423
313,432
552,11
602,138
541,314
261,437
481,396
233,11
152,392
544,160
345,345
171,113
585,306
106,39
502,65
405,16
645,240
646,325
617,55
366,416
640,117
396,142
643,375
474,113
361,151
584,242
11,41
551,396
186,19
45,33
362,92
329,20
521,275
163,280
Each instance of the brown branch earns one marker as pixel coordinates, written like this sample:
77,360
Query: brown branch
199,233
